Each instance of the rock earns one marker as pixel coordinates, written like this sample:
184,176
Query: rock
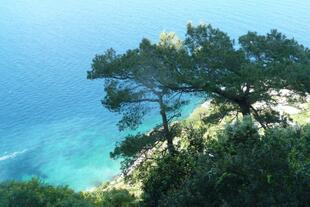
288,109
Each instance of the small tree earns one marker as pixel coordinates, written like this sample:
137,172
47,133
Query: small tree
244,74
133,84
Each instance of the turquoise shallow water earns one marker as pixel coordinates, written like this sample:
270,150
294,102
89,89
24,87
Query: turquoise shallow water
51,122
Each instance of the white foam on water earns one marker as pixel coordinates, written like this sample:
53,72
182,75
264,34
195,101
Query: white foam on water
12,155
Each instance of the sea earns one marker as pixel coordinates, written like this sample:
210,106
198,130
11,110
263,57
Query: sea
52,124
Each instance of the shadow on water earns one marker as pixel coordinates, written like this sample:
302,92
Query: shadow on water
23,166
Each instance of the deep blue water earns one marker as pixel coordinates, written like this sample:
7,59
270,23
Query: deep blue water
52,124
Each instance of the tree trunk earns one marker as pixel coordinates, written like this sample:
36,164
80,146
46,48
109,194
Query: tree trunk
245,108
166,129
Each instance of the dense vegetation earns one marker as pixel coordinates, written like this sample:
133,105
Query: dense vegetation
35,193
258,157
239,168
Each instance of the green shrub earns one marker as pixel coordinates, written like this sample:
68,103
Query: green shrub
34,193
240,168
113,198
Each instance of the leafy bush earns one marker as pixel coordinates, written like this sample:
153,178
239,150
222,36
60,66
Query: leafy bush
36,194
118,198
240,168
102,197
